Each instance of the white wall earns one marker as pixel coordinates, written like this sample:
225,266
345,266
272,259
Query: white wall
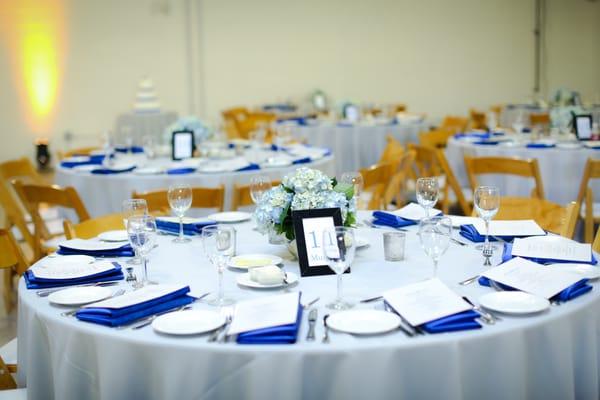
437,56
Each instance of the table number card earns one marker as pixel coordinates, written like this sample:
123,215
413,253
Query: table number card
552,248
308,228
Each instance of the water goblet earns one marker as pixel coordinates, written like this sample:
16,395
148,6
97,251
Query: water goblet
130,208
434,234
141,230
259,184
487,202
427,193
180,200
218,242
339,247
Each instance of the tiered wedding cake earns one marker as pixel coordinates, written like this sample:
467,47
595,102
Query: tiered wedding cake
146,101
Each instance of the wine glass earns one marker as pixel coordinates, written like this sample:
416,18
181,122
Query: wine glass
131,208
218,242
141,230
339,246
427,193
259,184
180,200
434,234
487,203
356,180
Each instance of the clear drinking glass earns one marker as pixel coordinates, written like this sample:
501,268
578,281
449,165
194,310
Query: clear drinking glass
131,208
355,179
427,193
180,200
435,233
487,202
338,251
141,230
218,242
259,184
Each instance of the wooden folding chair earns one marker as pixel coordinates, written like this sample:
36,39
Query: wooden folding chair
233,118
454,123
542,119
375,179
13,262
437,138
477,119
15,216
241,196
82,151
32,195
201,198
590,211
596,243
394,195
93,227
393,150
253,121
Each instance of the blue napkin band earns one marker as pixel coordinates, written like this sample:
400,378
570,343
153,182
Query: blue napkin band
181,171
283,334
507,255
92,314
108,171
575,290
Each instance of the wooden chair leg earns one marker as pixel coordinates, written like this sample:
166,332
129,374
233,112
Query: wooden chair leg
8,290
589,217
6,379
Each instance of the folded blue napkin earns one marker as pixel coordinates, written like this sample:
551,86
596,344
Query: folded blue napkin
573,291
394,221
274,147
188,229
283,334
109,171
469,232
303,160
540,145
299,120
249,167
33,282
181,171
507,255
123,251
125,315
457,322
487,142
132,149
90,161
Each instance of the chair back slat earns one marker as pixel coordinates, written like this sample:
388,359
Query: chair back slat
201,198
241,196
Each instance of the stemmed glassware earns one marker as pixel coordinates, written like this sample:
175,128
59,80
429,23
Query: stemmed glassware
141,230
259,184
339,246
218,243
131,208
434,234
180,200
487,203
428,190
355,179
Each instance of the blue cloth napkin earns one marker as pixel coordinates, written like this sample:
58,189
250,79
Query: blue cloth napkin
123,251
387,219
302,160
469,232
540,145
181,171
274,147
90,161
283,334
33,282
507,255
132,149
125,315
478,135
487,142
457,322
188,229
299,120
573,291
249,167
108,171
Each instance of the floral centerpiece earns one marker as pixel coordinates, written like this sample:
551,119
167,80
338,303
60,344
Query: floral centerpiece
303,190
201,131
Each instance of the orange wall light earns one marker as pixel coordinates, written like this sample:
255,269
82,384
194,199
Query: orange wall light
34,33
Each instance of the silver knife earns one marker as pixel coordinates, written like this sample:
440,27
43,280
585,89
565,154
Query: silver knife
312,320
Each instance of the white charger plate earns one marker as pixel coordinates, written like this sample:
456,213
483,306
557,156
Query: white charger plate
514,302
77,296
192,322
244,280
58,260
229,217
114,236
587,271
363,322
254,260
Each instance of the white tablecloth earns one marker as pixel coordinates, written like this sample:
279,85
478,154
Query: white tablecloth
358,146
553,355
104,194
561,169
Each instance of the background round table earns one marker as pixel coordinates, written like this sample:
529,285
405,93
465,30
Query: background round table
357,146
561,169
104,194
555,354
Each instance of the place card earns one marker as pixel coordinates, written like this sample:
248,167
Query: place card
526,227
139,296
414,212
425,301
265,312
531,277
90,245
552,248
70,271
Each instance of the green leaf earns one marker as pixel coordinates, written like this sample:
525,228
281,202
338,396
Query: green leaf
350,219
346,188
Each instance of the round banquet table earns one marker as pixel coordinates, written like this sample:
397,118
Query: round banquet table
104,194
552,355
561,169
360,145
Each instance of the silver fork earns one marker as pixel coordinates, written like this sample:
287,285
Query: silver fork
73,312
215,335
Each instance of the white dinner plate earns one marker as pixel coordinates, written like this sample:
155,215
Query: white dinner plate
228,217
568,145
114,236
58,260
363,322
76,159
190,322
586,271
77,296
148,171
244,280
211,168
514,302
247,261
